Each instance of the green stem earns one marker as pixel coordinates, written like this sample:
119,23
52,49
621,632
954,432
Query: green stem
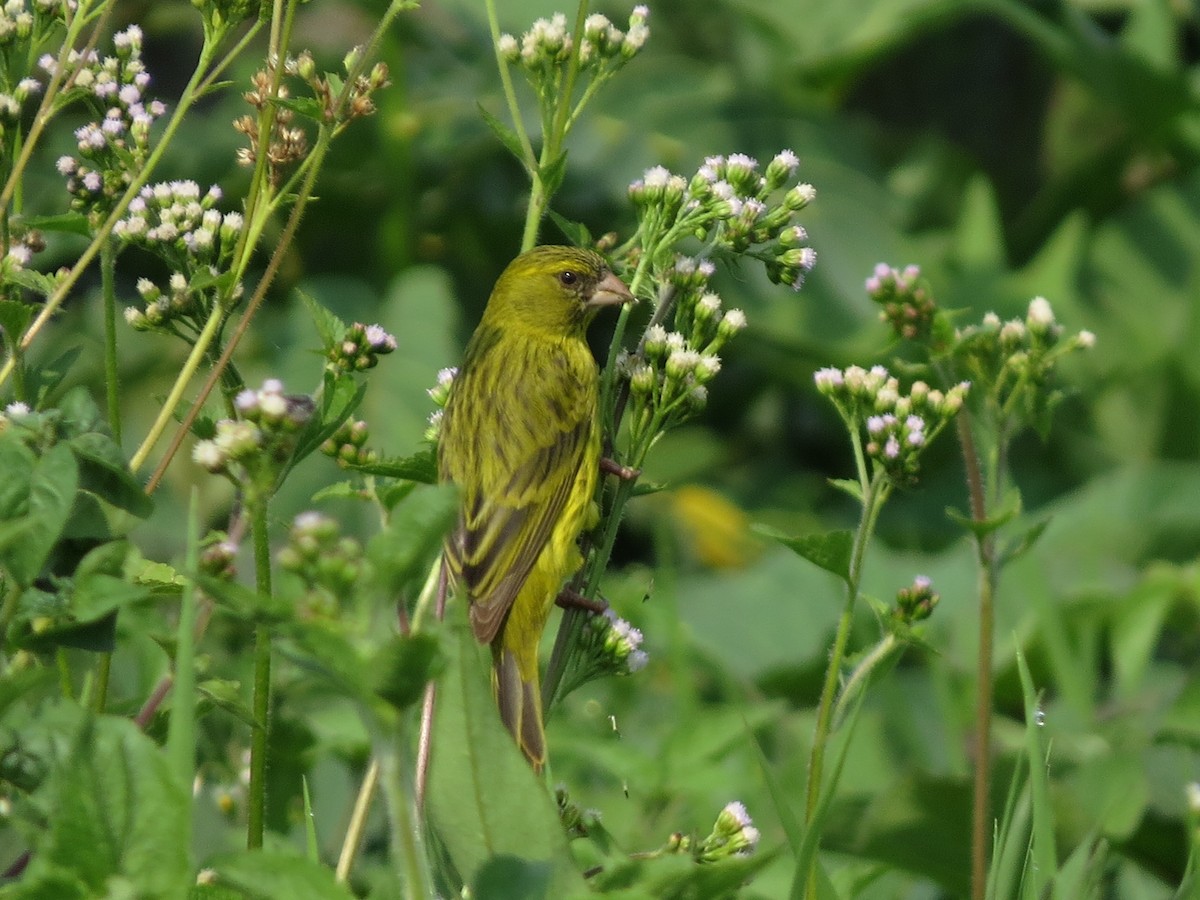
981,832
167,413
858,678
260,737
873,499
529,158
100,692
181,732
405,830
108,287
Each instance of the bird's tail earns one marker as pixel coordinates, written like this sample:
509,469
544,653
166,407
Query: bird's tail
519,696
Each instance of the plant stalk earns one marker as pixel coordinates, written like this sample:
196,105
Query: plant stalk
260,737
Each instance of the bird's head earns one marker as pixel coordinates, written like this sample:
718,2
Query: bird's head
554,290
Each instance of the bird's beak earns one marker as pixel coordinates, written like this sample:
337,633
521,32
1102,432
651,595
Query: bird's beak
610,291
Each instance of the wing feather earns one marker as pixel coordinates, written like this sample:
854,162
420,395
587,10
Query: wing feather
515,432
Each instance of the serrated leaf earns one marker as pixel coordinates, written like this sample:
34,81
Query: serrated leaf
329,327
241,601
1023,543
830,550
227,695
512,878
309,107
421,467
553,173
504,134
14,319
66,223
117,812
643,488
404,665
575,232
32,281
52,486
1008,511
266,875
341,396
848,486
483,798
402,553
342,490
104,471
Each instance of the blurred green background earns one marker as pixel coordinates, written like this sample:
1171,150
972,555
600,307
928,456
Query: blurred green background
1012,150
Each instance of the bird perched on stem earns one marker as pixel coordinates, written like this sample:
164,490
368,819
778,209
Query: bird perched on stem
520,438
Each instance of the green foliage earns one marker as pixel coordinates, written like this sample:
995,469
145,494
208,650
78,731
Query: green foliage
1011,149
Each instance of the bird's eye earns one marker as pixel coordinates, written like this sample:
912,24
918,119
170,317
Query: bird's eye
568,278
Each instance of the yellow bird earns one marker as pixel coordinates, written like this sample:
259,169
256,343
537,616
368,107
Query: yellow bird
521,440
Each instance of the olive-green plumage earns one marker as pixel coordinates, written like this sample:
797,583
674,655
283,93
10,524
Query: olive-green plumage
521,441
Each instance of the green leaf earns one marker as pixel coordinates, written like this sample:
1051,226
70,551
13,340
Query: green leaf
402,553
575,232
104,471
242,601
17,463
553,173
1009,510
329,327
308,107
115,810
66,223
31,280
1043,855
512,878
711,881
227,695
14,319
1023,543
100,584
341,397
266,875
848,486
420,467
504,134
52,487
830,550
404,665
484,799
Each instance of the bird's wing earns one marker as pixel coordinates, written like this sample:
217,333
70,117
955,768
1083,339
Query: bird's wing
515,435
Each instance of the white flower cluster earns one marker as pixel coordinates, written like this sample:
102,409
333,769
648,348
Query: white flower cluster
745,210
181,223
905,303
669,373
548,44
182,226
440,394
733,834
265,433
898,426
114,146
1017,355
360,348
623,643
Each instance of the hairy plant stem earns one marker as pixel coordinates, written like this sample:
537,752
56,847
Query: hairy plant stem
256,504
875,493
985,551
